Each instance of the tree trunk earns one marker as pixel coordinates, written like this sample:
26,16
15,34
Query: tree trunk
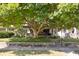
35,34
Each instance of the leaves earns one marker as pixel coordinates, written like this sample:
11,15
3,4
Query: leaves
55,15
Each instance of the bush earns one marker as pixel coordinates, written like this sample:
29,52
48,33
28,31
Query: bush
43,39
6,34
30,39
71,40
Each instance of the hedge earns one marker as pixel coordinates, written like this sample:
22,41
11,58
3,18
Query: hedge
6,34
43,39
30,39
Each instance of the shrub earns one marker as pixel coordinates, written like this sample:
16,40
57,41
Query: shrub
71,40
30,39
43,39
6,34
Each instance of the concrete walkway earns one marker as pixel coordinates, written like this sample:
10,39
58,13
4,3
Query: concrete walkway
3,45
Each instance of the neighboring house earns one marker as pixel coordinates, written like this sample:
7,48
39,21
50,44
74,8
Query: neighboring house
74,33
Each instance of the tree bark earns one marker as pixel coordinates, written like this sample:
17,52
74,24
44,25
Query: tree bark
35,34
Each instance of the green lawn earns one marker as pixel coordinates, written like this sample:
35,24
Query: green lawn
32,52
5,39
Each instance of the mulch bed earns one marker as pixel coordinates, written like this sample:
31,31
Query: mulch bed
39,45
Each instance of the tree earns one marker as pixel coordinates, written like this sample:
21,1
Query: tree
69,16
37,15
40,16
5,13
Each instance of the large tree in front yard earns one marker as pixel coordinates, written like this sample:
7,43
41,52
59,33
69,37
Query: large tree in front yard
37,15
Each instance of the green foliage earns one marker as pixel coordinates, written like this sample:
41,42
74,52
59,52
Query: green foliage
6,34
71,40
55,14
44,39
40,16
31,39
69,15
7,17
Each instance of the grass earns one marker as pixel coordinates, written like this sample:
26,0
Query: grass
71,40
30,39
24,52
32,52
5,39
